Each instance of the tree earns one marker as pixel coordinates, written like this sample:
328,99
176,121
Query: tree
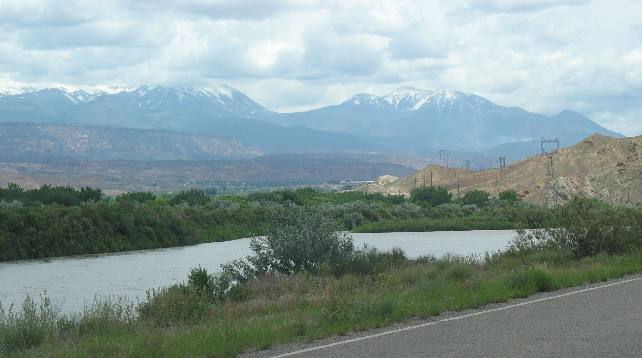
192,197
300,240
476,197
431,195
136,196
509,196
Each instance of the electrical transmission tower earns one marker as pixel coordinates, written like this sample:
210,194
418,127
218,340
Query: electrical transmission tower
549,148
502,168
441,157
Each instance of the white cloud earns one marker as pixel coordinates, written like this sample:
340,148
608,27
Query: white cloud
543,55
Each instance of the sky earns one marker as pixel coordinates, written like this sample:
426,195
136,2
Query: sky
290,55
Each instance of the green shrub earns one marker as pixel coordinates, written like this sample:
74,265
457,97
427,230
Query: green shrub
532,280
458,271
137,197
174,306
586,227
431,195
28,327
201,281
476,197
192,197
369,261
589,227
48,195
299,240
509,196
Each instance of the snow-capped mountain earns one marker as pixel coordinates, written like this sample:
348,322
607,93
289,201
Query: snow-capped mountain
10,88
220,111
220,101
412,119
408,99
68,104
407,119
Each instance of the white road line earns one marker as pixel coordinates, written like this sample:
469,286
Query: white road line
452,319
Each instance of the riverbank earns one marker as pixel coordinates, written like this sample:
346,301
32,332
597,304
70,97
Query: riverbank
70,281
445,224
141,221
277,310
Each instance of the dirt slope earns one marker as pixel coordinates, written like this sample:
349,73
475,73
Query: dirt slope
599,166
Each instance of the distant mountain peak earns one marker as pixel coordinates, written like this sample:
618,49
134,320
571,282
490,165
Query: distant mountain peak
11,88
77,94
408,98
364,98
405,91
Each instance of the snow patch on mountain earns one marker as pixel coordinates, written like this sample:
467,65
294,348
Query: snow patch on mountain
13,88
407,99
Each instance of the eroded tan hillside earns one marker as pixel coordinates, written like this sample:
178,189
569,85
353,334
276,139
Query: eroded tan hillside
599,166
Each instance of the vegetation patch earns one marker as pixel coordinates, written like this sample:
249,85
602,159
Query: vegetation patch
285,292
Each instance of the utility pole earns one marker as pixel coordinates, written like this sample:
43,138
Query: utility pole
549,147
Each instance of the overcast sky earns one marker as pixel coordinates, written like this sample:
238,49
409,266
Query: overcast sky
543,55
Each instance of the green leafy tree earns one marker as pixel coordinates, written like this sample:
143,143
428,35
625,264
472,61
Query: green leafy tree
476,197
431,195
136,196
192,197
509,196
300,240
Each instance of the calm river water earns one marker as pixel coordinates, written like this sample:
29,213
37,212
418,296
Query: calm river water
73,282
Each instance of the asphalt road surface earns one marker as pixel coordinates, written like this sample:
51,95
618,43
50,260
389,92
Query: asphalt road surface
601,320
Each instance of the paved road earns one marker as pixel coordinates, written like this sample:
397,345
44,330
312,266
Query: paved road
603,320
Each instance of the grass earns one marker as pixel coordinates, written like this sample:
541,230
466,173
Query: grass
442,224
274,310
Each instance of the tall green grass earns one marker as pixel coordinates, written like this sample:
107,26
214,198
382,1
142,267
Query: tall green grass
278,309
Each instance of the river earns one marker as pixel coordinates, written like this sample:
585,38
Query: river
73,282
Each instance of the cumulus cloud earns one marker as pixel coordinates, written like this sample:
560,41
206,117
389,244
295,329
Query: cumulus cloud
543,55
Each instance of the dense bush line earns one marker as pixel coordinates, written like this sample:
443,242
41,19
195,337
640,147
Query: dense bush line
61,221
587,227
49,231
47,194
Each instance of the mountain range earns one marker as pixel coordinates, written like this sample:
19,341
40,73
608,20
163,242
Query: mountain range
221,113
229,123
411,119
